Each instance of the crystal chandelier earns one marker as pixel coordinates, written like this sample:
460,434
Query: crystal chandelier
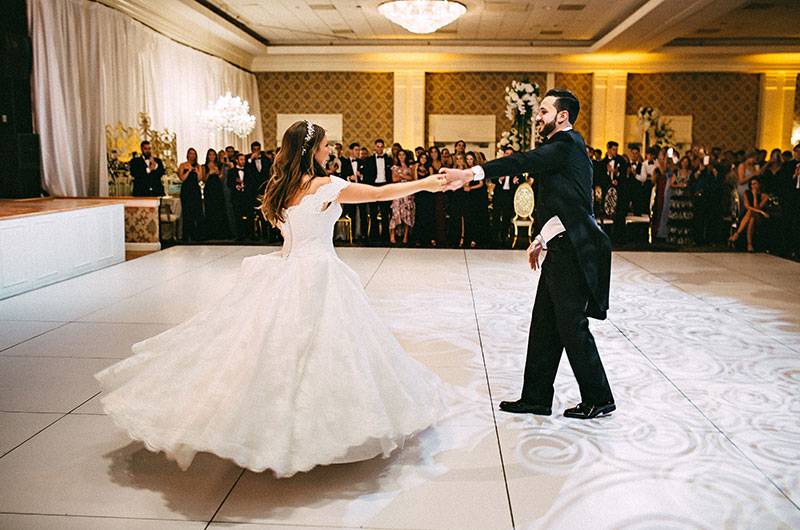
422,16
229,114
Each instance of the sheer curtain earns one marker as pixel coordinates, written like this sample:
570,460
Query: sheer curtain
94,66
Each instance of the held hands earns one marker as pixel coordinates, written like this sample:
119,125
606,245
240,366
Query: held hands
434,183
456,178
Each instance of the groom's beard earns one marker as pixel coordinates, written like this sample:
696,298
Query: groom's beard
547,128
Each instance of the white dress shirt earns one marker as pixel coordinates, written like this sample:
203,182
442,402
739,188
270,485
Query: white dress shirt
258,164
354,163
646,171
551,228
380,165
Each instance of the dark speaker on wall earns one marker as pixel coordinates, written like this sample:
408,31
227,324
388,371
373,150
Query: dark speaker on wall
16,59
16,110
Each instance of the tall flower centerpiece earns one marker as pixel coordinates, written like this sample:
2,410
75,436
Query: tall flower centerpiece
654,126
522,103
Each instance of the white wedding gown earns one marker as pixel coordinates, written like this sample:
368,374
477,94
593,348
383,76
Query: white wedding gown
291,370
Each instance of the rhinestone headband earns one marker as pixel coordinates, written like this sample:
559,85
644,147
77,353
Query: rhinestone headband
309,135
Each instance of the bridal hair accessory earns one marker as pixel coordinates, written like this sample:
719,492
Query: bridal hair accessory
309,135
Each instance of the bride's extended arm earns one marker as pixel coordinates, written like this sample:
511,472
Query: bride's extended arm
361,193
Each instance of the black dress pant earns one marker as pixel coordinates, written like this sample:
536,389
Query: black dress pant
559,322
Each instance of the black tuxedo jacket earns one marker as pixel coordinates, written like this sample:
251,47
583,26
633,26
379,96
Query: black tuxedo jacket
347,167
259,176
370,168
603,179
147,184
248,197
564,173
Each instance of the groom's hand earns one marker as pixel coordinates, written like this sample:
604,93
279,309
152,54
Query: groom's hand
456,178
534,252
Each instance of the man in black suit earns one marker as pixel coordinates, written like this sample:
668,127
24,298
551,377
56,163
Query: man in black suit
244,191
147,171
259,165
575,276
377,170
503,201
352,170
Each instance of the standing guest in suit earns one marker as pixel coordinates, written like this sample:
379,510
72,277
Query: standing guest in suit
377,171
403,209
259,165
503,201
147,171
191,175
575,276
352,170
243,186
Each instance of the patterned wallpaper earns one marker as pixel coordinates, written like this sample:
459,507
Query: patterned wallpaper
581,86
724,106
365,101
474,93
797,101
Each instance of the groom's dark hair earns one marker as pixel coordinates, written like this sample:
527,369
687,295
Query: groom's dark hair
565,100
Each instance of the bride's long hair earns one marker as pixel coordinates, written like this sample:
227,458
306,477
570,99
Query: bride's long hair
294,160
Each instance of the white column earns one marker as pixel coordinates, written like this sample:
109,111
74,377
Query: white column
776,110
550,83
609,90
409,108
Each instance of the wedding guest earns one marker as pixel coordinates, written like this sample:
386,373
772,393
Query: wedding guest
503,202
476,210
216,216
259,165
456,202
418,151
230,151
243,186
746,171
681,211
435,164
377,171
447,158
662,180
352,171
146,171
460,148
755,215
226,169
364,153
403,210
396,148
222,156
337,150
191,175
770,173
707,200
425,203
642,183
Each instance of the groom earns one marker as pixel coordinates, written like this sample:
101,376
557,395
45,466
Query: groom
575,274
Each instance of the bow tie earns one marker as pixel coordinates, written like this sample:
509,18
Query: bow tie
378,156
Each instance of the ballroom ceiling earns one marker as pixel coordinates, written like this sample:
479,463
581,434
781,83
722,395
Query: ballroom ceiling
550,22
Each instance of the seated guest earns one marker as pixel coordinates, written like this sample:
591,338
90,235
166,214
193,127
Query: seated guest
147,171
191,175
216,215
503,202
403,210
754,202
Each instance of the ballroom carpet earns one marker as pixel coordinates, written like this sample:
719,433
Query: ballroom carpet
702,352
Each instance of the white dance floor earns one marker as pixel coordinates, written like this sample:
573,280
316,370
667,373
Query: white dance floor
702,352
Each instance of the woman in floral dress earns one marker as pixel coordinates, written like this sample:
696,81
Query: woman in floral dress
403,210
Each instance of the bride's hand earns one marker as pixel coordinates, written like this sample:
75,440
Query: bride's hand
434,183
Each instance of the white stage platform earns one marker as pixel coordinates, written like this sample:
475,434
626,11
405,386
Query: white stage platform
43,241
702,352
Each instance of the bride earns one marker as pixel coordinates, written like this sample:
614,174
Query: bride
274,376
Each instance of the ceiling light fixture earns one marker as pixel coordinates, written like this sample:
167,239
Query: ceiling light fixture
422,16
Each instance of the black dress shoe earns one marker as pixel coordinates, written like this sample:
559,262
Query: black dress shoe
520,407
586,412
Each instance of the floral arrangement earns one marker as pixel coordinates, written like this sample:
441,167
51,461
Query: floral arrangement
522,103
650,119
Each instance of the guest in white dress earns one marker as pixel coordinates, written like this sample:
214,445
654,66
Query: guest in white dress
272,377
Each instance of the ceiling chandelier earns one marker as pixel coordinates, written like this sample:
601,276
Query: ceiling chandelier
422,16
229,114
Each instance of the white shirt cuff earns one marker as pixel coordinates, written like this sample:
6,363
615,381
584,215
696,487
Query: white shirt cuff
551,229
477,173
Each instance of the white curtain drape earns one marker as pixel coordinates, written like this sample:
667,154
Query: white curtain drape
94,66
